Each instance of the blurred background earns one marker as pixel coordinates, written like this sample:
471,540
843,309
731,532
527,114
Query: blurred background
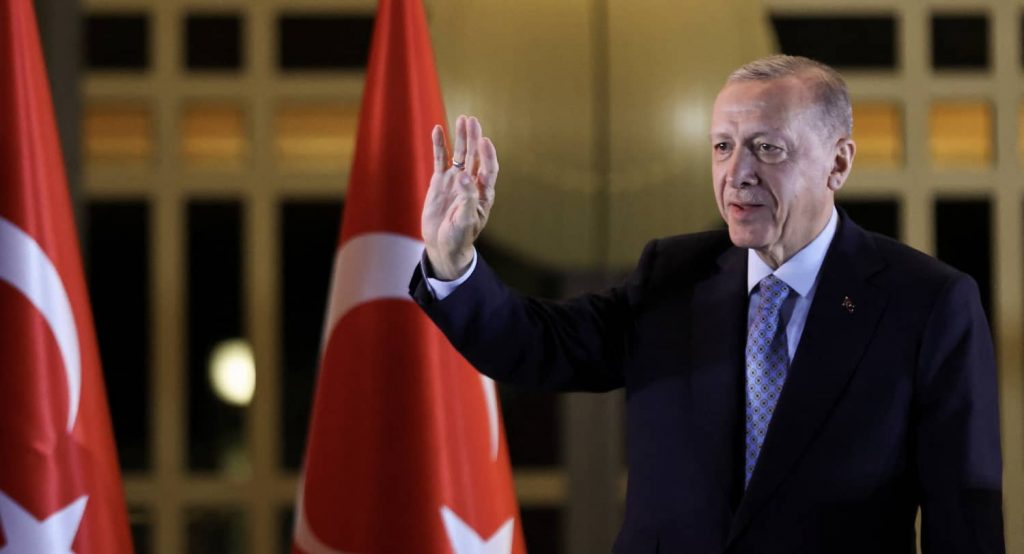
208,145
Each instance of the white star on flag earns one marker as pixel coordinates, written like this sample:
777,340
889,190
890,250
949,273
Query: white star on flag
466,541
52,535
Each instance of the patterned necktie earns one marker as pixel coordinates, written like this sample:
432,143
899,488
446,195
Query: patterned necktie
767,362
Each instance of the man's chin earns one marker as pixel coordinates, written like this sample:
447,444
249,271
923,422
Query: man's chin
747,238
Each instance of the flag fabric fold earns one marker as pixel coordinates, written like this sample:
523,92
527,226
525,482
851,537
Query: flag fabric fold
406,451
60,484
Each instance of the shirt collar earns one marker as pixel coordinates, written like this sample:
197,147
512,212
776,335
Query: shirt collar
800,271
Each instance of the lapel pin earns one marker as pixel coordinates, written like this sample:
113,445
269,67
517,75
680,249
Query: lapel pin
848,304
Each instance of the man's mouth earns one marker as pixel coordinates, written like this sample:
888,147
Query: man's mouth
744,207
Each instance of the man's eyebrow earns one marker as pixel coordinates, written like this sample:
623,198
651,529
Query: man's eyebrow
759,135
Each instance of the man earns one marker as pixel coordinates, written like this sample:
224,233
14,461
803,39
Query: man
794,385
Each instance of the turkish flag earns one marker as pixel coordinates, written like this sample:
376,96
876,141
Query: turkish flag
60,485
406,451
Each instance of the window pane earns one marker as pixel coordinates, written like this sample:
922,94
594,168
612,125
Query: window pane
542,529
963,239
141,521
961,134
309,238
285,522
219,369
316,138
117,258
843,42
116,41
324,41
213,136
960,42
878,130
213,42
531,427
216,531
117,133
880,216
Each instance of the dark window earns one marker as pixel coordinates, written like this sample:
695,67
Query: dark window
216,428
116,42
542,529
213,42
880,216
285,524
319,42
531,427
867,42
308,242
141,520
963,239
117,258
216,531
960,42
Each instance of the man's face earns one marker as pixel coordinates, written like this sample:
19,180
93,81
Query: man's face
775,167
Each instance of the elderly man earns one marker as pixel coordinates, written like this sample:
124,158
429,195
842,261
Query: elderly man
795,384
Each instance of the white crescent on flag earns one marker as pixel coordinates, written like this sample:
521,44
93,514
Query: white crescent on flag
25,265
369,267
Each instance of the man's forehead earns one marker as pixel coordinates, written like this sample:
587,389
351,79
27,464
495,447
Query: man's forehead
787,90
785,98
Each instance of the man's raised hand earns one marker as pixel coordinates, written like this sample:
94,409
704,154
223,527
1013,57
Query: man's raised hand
460,197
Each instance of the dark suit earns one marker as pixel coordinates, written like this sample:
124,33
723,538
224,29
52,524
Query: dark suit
890,401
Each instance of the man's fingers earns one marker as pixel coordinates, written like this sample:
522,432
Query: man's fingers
467,198
437,136
459,154
488,162
473,134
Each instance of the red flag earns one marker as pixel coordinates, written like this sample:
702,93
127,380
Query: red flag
406,448
60,485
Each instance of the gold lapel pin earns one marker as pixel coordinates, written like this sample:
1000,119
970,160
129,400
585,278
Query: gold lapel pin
848,304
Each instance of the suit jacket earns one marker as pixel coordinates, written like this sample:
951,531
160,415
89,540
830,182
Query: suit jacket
890,402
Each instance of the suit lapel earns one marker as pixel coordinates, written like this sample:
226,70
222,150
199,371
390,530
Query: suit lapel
841,321
719,312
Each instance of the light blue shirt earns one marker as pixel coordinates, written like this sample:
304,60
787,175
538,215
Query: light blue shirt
440,289
801,272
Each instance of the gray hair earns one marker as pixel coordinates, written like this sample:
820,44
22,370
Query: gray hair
829,87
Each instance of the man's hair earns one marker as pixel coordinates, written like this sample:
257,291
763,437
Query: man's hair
828,86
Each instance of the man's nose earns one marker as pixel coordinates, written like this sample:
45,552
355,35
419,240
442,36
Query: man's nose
742,169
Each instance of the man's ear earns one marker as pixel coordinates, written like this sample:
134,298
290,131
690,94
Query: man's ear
842,163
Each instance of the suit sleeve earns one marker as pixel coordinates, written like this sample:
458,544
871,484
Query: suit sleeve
958,458
576,345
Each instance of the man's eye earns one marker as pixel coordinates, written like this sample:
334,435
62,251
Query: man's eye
721,147
769,153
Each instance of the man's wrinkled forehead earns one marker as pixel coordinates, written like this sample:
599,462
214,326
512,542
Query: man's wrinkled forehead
778,100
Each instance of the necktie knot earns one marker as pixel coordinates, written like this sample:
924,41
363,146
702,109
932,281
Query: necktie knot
773,291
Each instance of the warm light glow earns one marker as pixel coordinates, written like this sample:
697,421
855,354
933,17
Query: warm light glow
961,133
213,136
312,137
878,130
117,133
233,372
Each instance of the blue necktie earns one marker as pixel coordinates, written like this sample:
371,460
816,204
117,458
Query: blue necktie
767,359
